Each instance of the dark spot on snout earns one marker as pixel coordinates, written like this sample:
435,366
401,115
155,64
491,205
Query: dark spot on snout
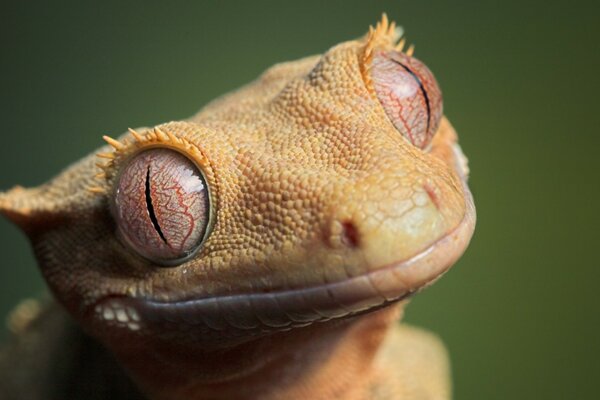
350,235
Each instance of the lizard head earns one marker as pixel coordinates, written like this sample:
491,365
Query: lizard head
329,187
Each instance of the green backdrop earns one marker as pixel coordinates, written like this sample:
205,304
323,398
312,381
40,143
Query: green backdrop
519,312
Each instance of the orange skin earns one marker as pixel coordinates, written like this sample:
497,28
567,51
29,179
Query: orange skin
323,218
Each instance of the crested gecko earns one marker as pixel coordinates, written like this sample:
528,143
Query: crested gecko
262,249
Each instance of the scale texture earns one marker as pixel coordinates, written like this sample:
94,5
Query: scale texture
265,248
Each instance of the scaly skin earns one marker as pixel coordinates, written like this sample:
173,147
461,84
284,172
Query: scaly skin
324,217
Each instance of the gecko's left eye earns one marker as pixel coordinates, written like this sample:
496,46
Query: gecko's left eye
162,205
409,94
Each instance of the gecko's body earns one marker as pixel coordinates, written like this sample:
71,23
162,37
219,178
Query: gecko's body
262,249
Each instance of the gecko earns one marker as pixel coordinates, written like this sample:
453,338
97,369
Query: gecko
264,248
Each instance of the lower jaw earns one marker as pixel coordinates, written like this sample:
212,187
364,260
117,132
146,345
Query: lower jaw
339,352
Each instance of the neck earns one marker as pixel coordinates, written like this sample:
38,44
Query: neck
323,361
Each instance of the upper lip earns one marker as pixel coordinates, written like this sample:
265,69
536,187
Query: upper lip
241,315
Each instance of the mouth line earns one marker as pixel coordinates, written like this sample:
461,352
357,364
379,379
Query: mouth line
255,314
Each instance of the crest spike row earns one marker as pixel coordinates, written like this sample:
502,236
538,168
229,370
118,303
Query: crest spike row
113,142
383,35
135,135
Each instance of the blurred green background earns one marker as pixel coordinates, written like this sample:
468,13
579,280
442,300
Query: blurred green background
519,312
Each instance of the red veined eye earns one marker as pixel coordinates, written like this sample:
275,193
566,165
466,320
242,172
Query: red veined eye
162,206
409,94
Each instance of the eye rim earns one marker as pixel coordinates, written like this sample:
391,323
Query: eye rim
207,175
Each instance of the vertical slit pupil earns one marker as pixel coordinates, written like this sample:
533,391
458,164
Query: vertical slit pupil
151,208
423,91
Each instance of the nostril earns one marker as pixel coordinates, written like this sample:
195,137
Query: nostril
350,235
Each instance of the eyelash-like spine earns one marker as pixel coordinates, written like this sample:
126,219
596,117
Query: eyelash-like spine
104,166
160,136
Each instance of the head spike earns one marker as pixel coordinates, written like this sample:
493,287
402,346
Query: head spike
172,137
392,28
103,166
108,156
400,46
384,22
97,190
135,135
113,142
161,134
371,32
411,50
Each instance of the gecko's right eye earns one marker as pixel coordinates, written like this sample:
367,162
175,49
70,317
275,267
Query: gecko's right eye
409,94
162,206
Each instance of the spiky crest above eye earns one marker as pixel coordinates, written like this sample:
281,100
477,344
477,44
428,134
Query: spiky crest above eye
157,137
385,34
